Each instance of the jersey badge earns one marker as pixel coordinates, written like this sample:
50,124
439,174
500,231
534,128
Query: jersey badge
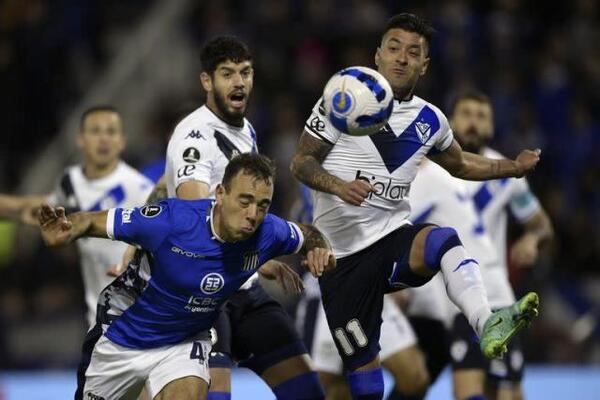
423,130
191,155
212,283
151,211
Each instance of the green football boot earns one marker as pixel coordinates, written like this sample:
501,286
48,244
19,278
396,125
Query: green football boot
502,325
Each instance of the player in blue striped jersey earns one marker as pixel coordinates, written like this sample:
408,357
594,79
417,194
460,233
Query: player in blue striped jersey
154,320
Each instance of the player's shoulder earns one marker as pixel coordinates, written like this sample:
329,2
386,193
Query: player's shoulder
196,125
68,177
422,103
182,214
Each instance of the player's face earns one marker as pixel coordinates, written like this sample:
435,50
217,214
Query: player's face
228,89
101,139
402,59
472,124
244,206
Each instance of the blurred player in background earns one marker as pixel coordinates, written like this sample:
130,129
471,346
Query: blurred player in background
361,186
253,328
102,181
471,119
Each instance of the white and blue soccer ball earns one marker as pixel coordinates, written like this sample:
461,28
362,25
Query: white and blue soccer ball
358,101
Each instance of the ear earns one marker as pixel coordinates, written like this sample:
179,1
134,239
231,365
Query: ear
219,193
377,56
424,67
206,82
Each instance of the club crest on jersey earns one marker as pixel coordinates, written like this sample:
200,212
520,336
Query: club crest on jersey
423,130
150,211
250,261
191,155
212,283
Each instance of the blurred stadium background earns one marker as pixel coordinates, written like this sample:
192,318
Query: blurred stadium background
539,63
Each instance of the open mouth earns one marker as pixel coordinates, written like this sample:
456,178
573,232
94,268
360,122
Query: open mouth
238,99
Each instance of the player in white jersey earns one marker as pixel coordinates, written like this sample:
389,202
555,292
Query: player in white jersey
441,199
472,122
361,205
102,181
198,152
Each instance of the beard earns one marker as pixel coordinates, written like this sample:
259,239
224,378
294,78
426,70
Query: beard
474,144
235,117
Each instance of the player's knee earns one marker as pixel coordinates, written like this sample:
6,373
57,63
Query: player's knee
306,386
437,243
412,382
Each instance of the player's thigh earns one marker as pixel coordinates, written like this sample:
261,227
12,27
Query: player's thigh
187,360
467,383
220,380
264,335
186,388
335,385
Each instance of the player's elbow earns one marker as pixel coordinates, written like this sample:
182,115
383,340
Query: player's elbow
295,166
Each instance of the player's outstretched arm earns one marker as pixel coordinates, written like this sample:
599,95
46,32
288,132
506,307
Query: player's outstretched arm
57,229
317,250
538,229
15,207
474,167
306,167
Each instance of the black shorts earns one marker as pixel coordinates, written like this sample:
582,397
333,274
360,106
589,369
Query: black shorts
254,330
466,354
353,292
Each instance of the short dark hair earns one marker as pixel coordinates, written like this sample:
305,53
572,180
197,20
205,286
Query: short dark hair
223,48
257,165
471,94
411,23
87,112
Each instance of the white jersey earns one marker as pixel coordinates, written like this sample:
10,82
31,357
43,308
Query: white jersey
493,198
388,160
441,199
124,187
200,148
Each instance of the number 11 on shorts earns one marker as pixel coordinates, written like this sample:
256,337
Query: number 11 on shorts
354,328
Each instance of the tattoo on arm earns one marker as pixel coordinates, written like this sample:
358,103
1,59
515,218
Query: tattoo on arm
313,238
306,165
159,192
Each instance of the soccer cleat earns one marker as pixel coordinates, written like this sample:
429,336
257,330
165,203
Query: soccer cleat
502,325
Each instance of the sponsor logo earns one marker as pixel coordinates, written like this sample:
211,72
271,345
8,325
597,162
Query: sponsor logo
212,283
150,211
195,135
384,187
186,253
187,170
250,261
201,304
126,215
191,155
316,124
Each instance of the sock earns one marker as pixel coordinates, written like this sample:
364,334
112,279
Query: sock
219,396
301,387
395,394
476,397
464,286
366,385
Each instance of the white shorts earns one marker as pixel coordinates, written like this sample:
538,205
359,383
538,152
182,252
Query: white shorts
117,372
396,335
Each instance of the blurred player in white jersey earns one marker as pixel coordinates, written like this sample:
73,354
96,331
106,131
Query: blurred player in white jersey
361,186
102,181
253,329
400,354
471,119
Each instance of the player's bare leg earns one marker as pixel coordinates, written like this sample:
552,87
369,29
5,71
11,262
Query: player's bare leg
468,383
220,381
188,388
293,375
514,391
336,387
409,371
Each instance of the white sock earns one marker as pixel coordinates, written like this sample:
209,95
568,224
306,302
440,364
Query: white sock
465,287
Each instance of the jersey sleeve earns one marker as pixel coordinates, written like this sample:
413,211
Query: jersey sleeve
146,226
282,237
444,137
192,155
523,203
319,126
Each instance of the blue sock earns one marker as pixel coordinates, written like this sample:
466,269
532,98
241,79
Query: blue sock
476,397
302,387
219,396
366,385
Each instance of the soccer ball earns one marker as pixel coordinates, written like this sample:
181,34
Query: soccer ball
358,101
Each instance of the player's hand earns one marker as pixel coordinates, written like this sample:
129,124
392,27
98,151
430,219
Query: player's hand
527,160
54,225
116,270
289,280
355,192
29,216
524,252
319,260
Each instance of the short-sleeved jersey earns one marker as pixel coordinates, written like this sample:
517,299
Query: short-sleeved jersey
494,198
124,187
174,289
388,160
439,198
201,147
